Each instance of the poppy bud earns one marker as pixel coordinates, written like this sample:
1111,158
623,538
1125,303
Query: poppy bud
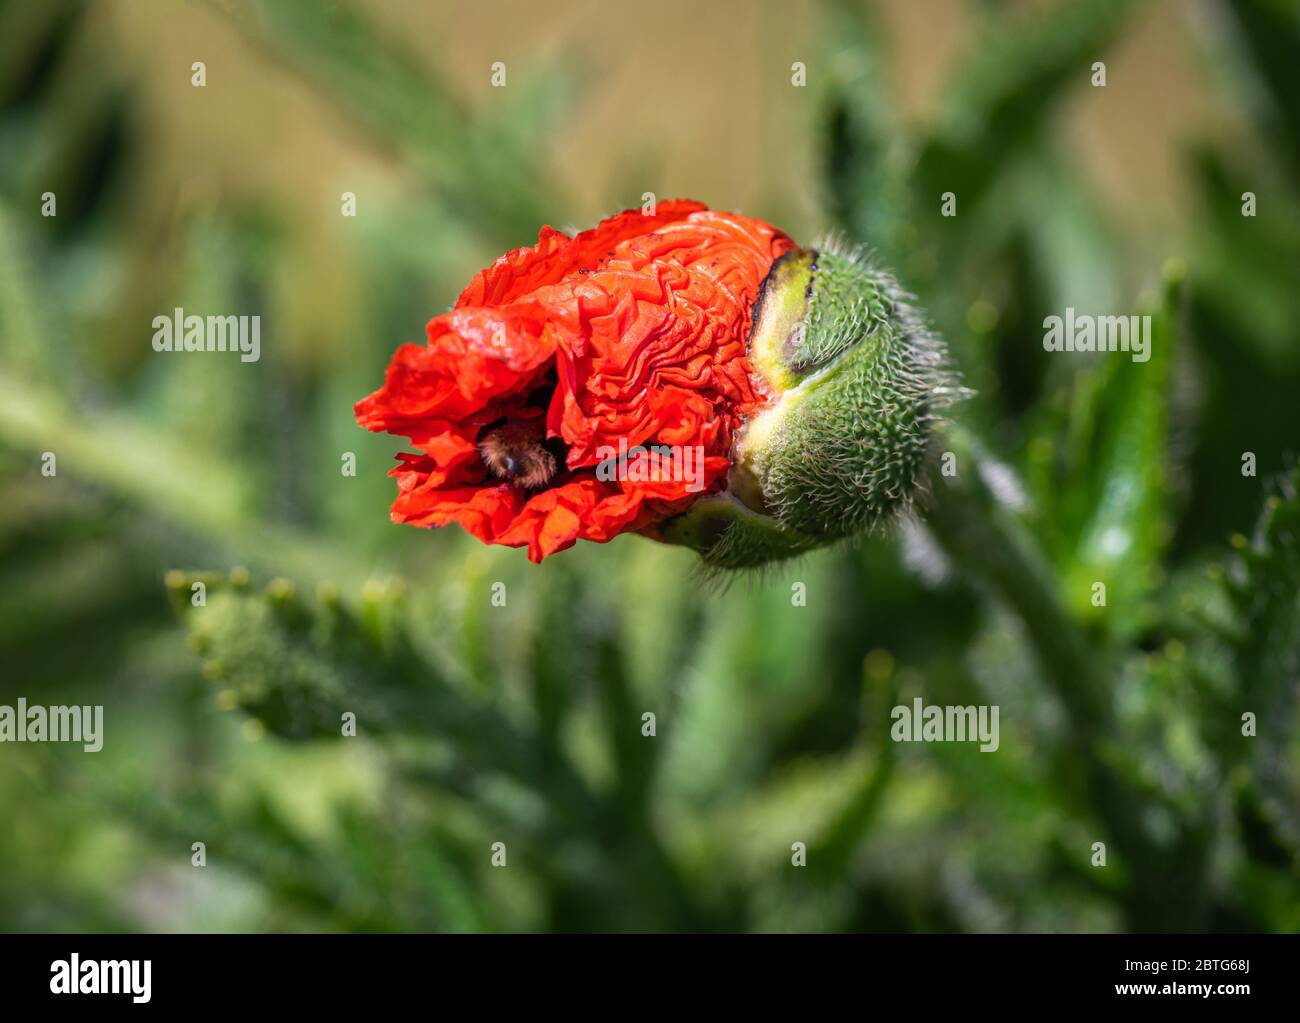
853,381
687,374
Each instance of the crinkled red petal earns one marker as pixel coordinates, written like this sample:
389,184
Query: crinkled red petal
639,323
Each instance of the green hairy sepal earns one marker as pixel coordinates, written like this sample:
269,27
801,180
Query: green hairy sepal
856,383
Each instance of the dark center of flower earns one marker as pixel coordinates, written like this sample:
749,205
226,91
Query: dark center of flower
515,448
520,453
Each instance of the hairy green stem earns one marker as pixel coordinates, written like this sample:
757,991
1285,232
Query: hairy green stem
980,533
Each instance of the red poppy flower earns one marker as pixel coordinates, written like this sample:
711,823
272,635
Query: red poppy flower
632,332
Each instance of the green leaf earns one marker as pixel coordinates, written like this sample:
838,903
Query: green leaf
862,146
1000,98
378,80
1248,268
1264,586
1269,34
1104,486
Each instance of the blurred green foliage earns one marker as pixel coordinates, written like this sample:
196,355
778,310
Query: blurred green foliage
523,724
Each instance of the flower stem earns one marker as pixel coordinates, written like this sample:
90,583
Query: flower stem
979,531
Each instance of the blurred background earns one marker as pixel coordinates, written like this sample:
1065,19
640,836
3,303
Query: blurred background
522,724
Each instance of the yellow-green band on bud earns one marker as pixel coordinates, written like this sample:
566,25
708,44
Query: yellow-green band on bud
855,382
